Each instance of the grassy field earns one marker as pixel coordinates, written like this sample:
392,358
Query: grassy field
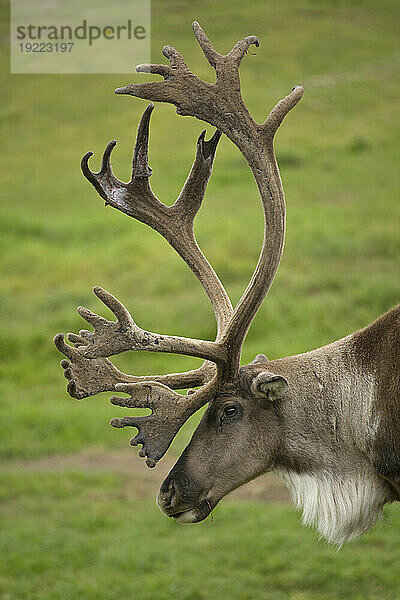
91,535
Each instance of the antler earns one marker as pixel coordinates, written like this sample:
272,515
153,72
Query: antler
221,105
86,370
175,223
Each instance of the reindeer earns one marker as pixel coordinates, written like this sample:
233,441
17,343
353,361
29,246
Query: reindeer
327,421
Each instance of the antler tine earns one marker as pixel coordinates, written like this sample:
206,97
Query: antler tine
163,70
175,58
279,112
215,58
241,48
209,51
140,161
105,172
134,198
192,194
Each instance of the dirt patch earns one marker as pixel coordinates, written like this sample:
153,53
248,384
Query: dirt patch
141,481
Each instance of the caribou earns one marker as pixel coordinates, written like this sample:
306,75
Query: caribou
327,421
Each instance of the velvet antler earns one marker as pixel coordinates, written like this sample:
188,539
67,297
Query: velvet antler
221,105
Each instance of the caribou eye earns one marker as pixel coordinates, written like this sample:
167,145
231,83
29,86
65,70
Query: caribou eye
230,414
230,411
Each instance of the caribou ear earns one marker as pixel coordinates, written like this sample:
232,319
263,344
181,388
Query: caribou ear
269,386
260,358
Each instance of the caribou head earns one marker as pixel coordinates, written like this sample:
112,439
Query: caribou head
319,419
237,439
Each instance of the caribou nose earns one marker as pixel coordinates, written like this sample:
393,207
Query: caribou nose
168,497
172,497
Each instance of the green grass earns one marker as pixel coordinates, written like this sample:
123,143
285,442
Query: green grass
338,152
87,536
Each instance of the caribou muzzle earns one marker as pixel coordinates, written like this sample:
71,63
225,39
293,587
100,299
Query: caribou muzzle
183,500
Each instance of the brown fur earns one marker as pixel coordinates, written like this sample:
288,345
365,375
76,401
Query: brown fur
377,349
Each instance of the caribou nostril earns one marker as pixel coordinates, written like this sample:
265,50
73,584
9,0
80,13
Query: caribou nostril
171,496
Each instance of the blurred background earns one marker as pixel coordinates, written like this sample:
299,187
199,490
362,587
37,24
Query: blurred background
78,517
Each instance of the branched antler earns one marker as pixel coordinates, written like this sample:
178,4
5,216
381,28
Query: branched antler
169,412
114,337
88,377
221,105
175,223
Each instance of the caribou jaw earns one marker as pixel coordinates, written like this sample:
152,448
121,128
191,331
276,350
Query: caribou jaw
186,514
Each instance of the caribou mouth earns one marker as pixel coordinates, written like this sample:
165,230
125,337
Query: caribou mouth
185,516
194,515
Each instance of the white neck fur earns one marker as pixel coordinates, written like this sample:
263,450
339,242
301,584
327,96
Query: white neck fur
341,507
